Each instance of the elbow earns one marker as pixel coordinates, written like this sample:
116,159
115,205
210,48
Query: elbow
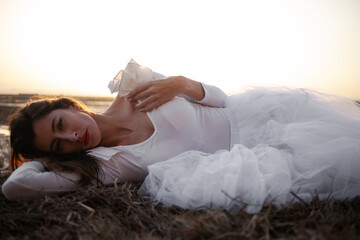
14,191
10,190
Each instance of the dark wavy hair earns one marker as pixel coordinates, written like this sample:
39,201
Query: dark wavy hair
22,137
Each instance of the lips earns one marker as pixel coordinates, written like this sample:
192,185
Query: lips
86,138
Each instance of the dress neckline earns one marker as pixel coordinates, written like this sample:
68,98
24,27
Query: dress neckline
105,153
146,140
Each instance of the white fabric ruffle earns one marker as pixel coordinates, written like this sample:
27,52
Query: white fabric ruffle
287,141
133,75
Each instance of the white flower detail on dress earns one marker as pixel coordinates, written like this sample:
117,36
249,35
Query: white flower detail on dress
134,74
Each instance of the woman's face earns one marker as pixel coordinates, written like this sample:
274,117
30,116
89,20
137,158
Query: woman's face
66,131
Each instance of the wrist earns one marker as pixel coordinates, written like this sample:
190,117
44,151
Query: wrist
184,87
194,89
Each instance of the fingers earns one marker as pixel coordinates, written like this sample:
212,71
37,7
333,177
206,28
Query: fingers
147,101
153,105
152,94
148,93
134,94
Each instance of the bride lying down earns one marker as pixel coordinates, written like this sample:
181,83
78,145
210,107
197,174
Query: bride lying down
191,144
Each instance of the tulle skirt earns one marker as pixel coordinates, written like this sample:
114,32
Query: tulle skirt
289,145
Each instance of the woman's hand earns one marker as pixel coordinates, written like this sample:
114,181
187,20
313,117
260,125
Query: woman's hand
155,93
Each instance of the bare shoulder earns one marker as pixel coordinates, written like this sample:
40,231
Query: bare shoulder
118,105
133,125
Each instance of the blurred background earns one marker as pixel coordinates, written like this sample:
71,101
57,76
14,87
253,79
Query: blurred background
75,47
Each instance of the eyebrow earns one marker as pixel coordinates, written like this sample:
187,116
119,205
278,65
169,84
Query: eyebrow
53,130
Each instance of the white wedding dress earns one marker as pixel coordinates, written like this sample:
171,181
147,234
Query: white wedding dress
289,144
262,145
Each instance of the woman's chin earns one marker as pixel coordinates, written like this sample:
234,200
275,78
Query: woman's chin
92,144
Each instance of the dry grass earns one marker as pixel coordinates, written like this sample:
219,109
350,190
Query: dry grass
117,212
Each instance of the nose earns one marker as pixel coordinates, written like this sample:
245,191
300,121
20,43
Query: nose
70,136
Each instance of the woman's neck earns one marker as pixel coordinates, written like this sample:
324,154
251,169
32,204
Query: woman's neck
115,122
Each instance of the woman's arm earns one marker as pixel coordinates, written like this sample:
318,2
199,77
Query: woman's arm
31,180
155,93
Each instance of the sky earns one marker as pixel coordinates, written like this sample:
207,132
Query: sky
76,47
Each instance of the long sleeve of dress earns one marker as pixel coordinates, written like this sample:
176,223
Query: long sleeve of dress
134,74
31,180
214,97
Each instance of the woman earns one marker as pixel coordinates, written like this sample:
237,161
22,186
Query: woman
202,149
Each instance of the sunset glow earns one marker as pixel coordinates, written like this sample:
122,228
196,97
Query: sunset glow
76,47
